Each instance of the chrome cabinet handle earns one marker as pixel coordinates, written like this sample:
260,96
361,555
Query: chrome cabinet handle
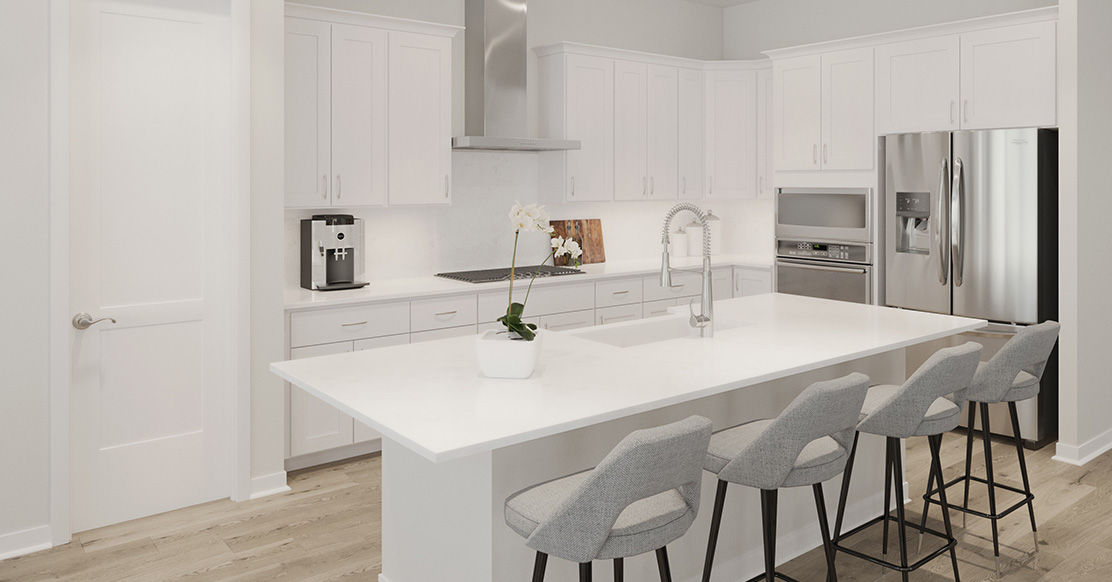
560,326
965,110
620,292
353,324
939,228
825,152
952,104
324,186
573,185
446,313
339,192
680,286
957,221
644,186
815,154
85,321
447,185
605,319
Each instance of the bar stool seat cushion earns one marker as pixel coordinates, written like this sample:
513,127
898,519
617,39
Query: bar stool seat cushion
1024,387
818,458
643,526
943,414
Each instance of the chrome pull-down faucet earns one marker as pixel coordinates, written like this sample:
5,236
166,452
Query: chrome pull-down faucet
704,320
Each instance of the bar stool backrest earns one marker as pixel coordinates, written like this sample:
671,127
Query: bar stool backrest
645,463
829,408
1027,352
947,371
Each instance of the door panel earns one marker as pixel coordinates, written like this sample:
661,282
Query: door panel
630,138
150,193
917,249
359,113
691,121
590,119
917,85
847,110
1008,77
314,424
731,134
836,281
308,113
420,138
663,132
798,106
996,222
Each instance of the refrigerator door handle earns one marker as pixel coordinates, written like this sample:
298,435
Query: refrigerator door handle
957,221
939,230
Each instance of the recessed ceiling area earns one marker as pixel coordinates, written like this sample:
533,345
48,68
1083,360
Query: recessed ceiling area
723,3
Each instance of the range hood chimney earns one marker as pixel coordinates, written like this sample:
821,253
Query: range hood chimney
496,112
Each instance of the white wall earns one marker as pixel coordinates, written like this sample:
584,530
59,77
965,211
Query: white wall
24,337
473,232
1085,199
770,24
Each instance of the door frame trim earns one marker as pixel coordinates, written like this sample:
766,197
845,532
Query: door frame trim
59,323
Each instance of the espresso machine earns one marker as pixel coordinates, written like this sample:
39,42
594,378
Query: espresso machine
331,245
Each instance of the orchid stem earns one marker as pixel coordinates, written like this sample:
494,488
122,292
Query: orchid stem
513,265
529,289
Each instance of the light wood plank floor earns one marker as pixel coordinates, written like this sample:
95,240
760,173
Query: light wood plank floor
327,528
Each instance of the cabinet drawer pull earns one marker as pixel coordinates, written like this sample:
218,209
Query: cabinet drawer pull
573,185
965,110
353,324
621,292
560,326
825,153
446,313
447,185
324,186
680,286
652,185
815,154
339,191
616,317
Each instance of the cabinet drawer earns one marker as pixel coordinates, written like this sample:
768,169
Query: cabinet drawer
621,292
496,326
381,342
684,284
566,321
442,312
617,313
542,301
436,334
324,326
658,308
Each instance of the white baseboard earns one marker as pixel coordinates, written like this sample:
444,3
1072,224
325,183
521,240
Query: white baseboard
271,484
27,541
332,455
1079,455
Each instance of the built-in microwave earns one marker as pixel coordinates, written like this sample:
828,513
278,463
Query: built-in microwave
834,214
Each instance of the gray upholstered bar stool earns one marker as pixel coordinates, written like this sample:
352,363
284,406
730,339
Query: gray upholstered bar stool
917,408
1011,376
641,497
806,445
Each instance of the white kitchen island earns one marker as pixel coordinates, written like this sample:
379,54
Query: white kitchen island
455,445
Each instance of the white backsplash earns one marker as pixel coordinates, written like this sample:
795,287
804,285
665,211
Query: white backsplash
474,231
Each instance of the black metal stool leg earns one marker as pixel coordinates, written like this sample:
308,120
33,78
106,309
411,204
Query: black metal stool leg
991,482
768,521
585,572
968,456
887,492
715,524
926,504
845,490
936,466
1023,470
619,570
897,487
824,529
662,565
538,566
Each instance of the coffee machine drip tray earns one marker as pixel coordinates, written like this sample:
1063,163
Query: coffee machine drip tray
341,286
495,275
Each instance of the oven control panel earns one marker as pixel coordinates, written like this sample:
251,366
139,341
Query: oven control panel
829,251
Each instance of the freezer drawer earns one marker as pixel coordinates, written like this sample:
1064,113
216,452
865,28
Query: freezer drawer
826,280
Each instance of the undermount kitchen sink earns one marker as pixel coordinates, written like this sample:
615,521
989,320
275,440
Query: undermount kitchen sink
626,335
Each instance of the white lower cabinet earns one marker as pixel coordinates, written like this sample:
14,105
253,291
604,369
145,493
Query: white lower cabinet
314,424
752,281
617,313
658,308
362,433
437,334
722,283
566,321
684,284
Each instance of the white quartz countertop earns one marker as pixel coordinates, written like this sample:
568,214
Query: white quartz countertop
395,289
430,397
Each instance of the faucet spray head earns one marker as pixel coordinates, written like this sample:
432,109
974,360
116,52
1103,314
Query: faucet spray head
665,265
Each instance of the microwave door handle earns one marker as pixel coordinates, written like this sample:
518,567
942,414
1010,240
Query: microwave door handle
852,270
957,221
939,230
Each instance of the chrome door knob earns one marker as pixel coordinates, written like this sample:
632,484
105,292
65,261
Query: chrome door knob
85,321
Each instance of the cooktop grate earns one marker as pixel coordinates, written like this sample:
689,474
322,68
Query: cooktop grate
494,275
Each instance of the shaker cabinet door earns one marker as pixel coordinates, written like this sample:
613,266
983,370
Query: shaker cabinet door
420,108
1008,77
848,141
631,180
663,132
797,107
690,142
314,424
359,116
590,119
308,106
731,134
917,85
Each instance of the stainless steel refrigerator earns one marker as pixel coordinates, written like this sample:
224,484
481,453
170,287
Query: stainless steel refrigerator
971,222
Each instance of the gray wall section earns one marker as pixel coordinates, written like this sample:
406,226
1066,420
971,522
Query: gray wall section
25,236
770,24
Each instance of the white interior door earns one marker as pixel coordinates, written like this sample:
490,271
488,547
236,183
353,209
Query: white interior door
150,402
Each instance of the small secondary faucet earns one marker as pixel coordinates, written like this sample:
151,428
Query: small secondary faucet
704,320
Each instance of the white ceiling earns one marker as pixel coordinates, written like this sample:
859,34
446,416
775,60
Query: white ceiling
723,3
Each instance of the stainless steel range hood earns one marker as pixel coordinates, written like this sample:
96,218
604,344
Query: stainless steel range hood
496,113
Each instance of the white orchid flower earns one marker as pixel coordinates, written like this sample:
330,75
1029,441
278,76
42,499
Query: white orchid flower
557,242
572,249
529,218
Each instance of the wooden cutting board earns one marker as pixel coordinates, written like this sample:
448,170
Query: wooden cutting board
585,231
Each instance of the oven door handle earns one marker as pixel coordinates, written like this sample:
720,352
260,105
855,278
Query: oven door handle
852,270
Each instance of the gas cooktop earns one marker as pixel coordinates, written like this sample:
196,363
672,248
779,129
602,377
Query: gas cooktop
494,275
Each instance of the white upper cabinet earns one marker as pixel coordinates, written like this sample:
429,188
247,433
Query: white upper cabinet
690,141
731,136
420,119
848,140
797,107
308,113
918,85
1008,77
765,167
631,179
584,102
359,114
663,132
